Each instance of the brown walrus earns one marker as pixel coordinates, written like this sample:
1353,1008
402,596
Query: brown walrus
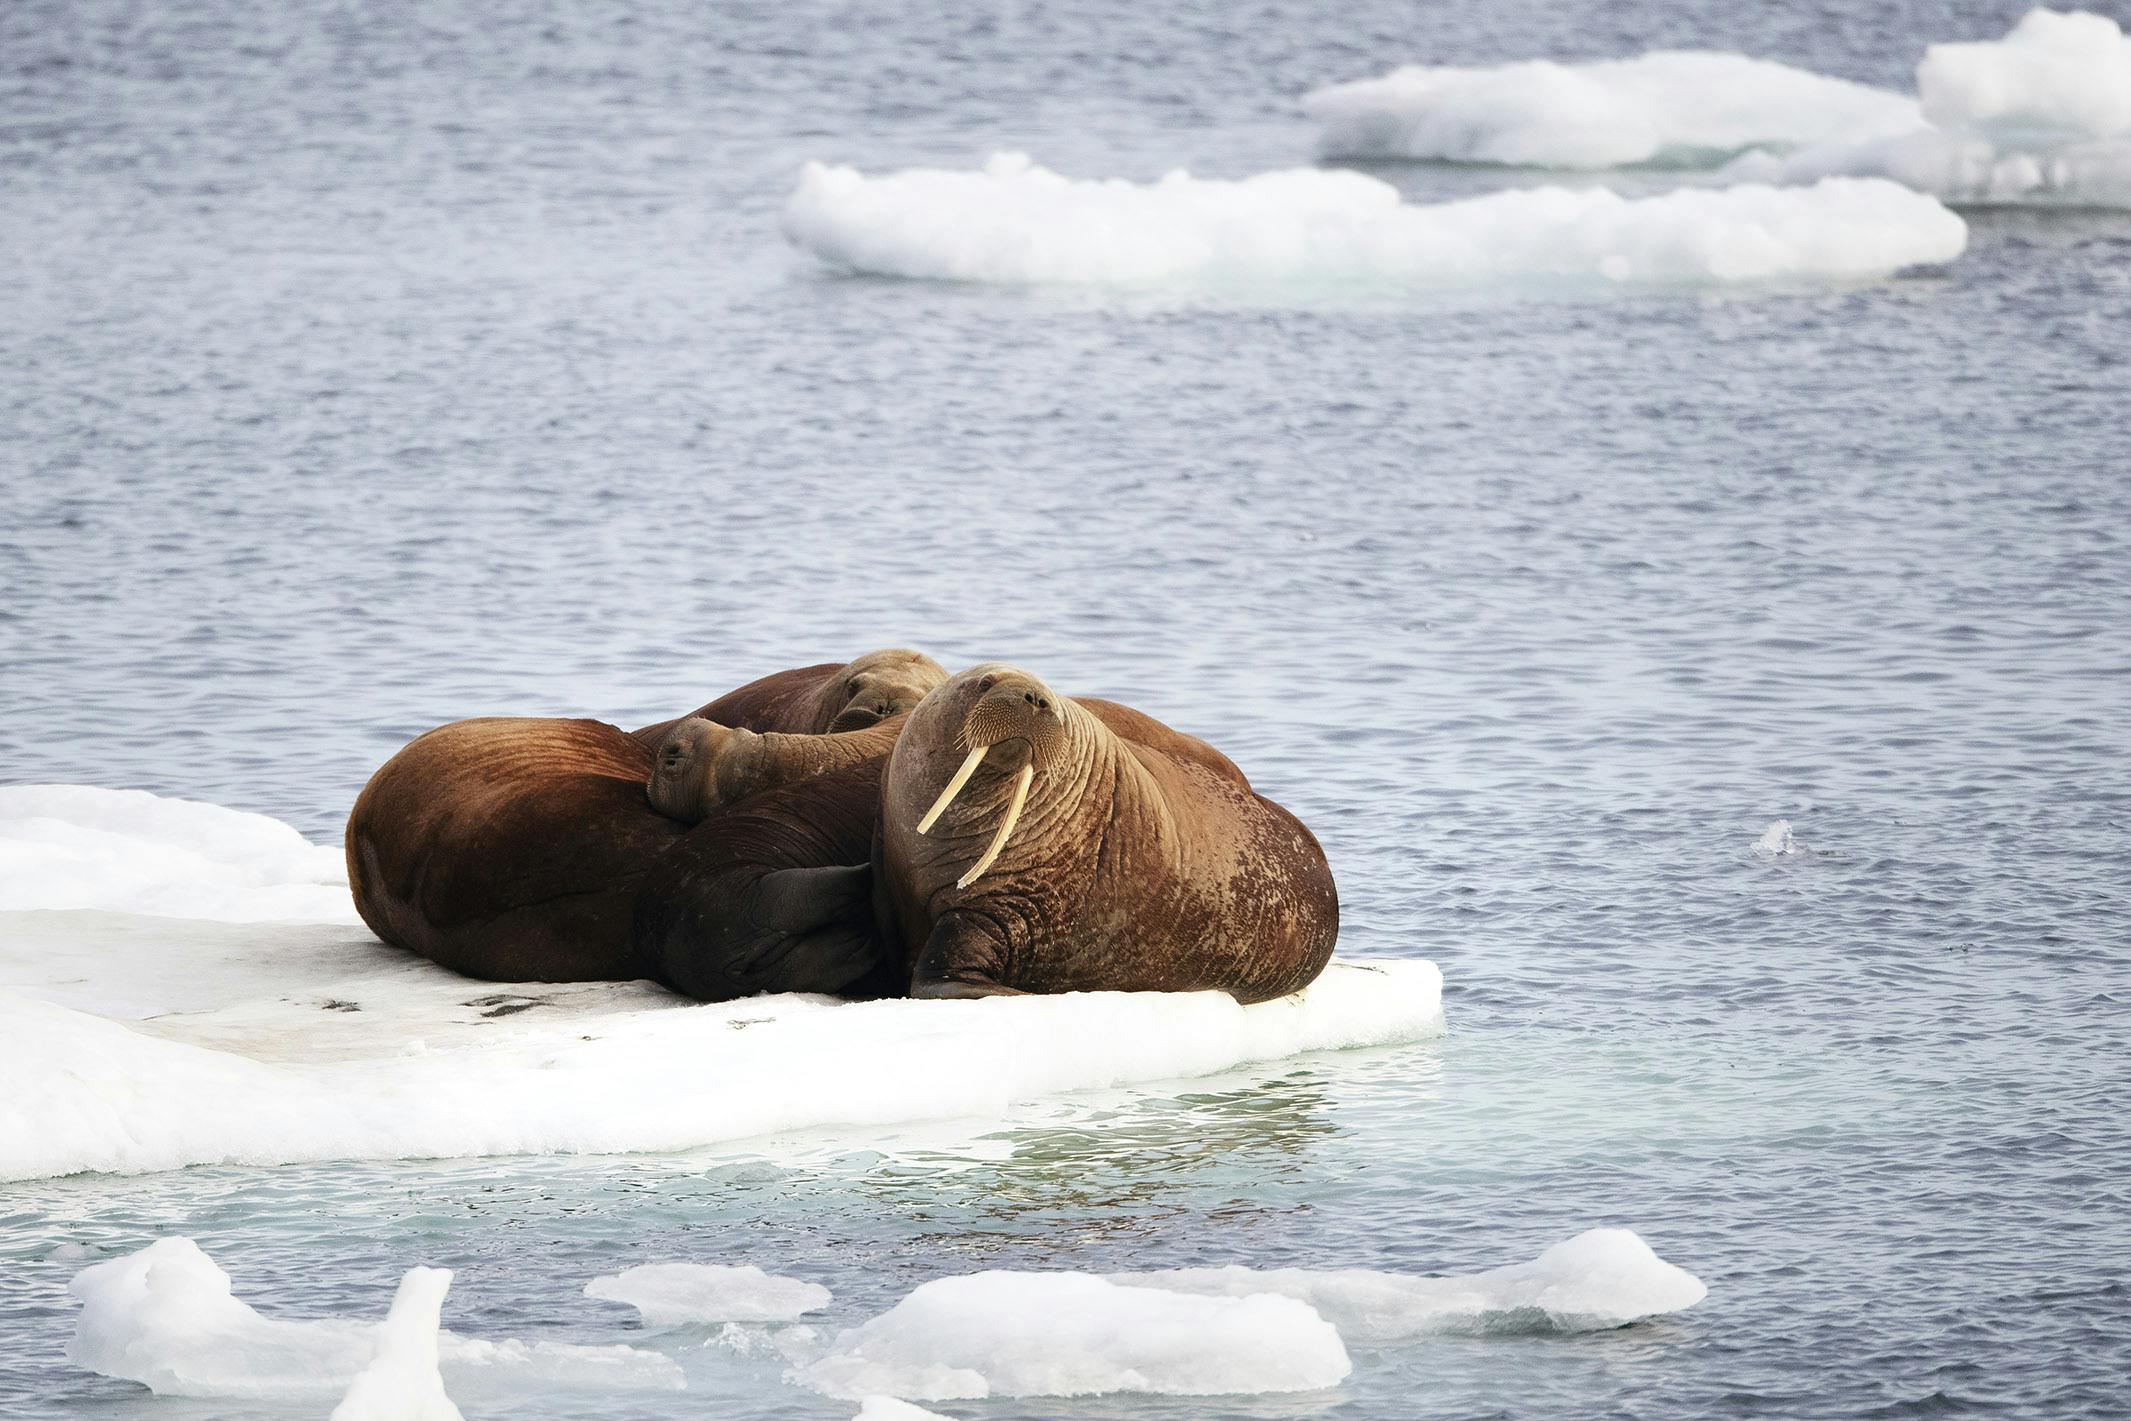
772,891
510,848
1032,843
563,850
820,700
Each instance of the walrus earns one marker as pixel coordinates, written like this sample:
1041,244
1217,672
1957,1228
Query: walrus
772,890
510,848
1029,842
819,700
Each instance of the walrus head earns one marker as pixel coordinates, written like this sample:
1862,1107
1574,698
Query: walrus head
876,686
1006,717
701,765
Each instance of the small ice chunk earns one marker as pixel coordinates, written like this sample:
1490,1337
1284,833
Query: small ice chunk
128,851
667,1293
1073,1334
887,1408
1680,106
402,1382
1966,167
1776,840
1311,228
2058,73
165,1317
1602,1278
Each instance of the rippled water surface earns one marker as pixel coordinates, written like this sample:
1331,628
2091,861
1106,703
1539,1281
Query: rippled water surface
367,368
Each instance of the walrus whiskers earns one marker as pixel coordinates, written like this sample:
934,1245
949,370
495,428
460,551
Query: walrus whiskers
954,787
1006,827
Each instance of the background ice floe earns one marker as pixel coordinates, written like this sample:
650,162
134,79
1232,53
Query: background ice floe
1070,1334
128,1043
1602,1278
2041,117
402,1382
1012,221
667,1293
78,846
1676,107
166,1317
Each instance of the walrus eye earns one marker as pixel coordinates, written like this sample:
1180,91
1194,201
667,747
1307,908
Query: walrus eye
851,688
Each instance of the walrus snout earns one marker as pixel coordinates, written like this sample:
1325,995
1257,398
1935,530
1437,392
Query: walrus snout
1011,707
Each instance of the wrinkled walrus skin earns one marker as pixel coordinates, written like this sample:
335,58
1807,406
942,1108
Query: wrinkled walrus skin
1088,847
818,700
510,849
772,889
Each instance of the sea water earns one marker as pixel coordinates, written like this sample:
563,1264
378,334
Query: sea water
367,369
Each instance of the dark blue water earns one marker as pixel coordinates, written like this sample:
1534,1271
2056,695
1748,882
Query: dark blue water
371,368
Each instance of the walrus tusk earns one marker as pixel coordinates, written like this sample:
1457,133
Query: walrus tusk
954,787
1006,827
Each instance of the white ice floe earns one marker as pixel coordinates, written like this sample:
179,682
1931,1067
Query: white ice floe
402,1382
78,846
2039,118
1012,221
131,1043
667,1293
2053,73
1776,840
887,1408
1602,1278
165,1317
1673,106
1072,1334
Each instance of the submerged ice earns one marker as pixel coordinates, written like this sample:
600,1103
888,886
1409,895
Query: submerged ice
1676,106
667,1293
1012,221
1602,1278
1071,1334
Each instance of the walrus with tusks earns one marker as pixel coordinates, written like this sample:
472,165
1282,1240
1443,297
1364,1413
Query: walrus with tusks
1033,843
819,700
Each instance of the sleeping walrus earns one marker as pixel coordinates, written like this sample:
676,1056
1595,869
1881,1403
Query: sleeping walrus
513,849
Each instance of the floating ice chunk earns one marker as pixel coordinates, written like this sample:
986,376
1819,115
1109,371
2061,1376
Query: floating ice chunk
1677,106
668,1293
78,846
887,1408
165,1317
1599,1279
402,1382
419,1072
1776,840
2054,73
1968,169
1071,1334
1014,222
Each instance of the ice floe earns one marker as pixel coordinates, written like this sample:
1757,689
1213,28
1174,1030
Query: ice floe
887,1408
402,1382
667,1293
135,1043
2054,73
1776,840
1072,1334
1683,107
78,846
2039,118
1012,221
166,1317
1602,1278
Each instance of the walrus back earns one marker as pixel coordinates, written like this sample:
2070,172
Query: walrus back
509,849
